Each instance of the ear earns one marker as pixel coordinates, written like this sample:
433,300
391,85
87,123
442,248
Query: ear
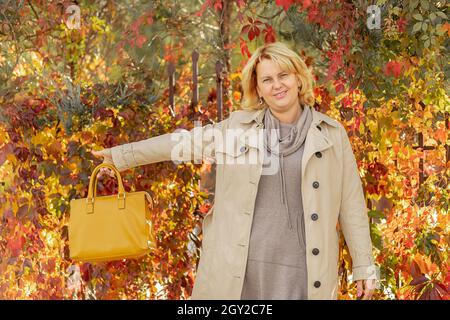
299,83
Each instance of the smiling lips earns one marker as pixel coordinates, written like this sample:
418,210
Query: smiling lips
280,95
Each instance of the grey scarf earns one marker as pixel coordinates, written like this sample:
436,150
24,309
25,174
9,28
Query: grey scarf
286,145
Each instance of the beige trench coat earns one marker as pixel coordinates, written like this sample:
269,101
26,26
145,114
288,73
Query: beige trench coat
328,160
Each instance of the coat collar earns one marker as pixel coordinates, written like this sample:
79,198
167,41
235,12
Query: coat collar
316,141
258,115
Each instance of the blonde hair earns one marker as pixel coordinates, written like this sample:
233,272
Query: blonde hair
287,59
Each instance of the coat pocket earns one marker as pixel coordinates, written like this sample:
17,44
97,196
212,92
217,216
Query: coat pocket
230,154
301,231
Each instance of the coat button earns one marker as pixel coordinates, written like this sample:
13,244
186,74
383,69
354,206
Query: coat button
318,154
315,184
315,251
317,284
320,129
314,216
243,149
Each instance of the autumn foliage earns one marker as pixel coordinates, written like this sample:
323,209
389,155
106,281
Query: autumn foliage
65,92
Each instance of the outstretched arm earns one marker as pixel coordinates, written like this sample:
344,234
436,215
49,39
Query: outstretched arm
179,145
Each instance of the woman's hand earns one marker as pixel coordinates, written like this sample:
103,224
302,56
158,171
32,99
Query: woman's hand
106,154
365,288
107,158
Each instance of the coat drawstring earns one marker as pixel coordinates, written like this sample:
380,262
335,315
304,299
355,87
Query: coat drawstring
283,189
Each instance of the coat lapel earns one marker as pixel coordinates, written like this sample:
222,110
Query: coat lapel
316,141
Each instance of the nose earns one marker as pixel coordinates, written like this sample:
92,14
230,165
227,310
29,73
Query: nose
277,84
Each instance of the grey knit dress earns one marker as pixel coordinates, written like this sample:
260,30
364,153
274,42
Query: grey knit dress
276,265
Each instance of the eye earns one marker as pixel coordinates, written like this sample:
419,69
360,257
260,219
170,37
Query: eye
284,75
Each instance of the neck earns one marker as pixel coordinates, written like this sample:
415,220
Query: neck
288,116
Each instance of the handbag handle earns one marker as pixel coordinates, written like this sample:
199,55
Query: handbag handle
96,184
93,180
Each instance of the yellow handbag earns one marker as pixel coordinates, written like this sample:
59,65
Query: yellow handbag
112,227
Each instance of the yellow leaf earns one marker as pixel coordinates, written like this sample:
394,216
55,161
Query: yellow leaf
361,128
235,76
428,115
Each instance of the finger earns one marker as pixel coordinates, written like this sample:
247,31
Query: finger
101,172
368,294
359,288
100,153
107,171
369,288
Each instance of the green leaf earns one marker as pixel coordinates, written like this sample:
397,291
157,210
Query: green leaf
418,17
397,11
424,26
441,14
413,4
424,4
439,30
376,236
417,27
427,43
433,16
376,214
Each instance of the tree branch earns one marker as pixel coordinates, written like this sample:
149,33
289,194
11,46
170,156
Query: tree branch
34,11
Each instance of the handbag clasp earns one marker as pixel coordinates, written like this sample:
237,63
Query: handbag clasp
90,205
121,203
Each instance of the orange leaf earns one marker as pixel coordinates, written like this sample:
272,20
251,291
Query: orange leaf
446,27
441,135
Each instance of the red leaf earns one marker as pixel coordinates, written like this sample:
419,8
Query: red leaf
418,280
306,4
339,86
15,245
218,5
393,68
4,151
441,289
206,4
85,271
245,28
204,208
434,294
284,3
140,39
401,25
244,48
240,3
415,270
253,32
270,35
425,295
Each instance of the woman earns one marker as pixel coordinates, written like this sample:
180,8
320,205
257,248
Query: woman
273,230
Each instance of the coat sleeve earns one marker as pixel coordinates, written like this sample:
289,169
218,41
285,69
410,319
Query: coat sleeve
353,217
180,145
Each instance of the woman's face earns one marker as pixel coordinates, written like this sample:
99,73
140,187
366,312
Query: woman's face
277,87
